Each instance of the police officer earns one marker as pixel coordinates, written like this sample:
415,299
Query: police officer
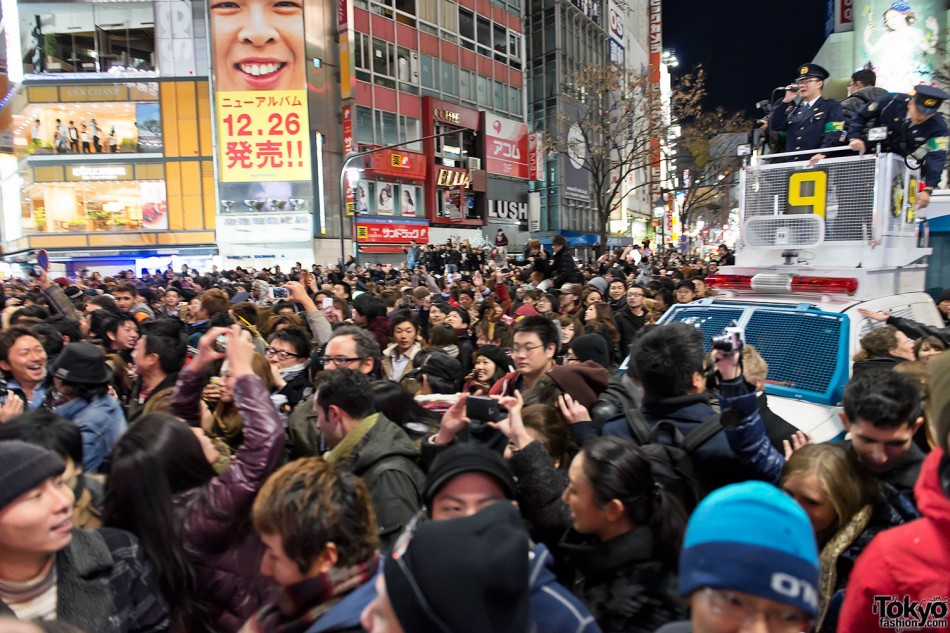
813,122
914,128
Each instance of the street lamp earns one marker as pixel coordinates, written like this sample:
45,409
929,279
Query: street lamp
351,175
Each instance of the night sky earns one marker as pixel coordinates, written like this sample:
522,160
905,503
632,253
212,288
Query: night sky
748,46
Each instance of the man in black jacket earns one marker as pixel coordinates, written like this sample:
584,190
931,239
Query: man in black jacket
632,317
563,267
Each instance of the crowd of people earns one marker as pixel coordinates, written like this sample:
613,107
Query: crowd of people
448,445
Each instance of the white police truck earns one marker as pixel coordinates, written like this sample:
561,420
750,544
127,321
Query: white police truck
817,243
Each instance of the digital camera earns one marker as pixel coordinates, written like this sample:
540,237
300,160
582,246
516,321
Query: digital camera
732,339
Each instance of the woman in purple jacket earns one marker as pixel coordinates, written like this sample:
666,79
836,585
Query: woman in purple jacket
196,527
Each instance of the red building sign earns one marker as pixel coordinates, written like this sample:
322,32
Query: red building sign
506,147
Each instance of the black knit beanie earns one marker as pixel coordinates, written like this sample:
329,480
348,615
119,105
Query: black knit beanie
467,575
24,467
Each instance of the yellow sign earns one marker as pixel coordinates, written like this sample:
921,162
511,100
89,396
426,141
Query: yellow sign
808,190
451,178
262,136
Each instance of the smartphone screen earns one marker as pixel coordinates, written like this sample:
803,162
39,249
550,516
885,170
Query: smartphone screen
327,303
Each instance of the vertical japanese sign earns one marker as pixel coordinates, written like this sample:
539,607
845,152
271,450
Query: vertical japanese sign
260,91
506,146
344,11
656,59
536,156
615,25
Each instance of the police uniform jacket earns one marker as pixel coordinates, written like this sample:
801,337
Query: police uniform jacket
902,137
806,128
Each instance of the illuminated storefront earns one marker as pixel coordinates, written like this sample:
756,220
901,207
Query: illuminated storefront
112,149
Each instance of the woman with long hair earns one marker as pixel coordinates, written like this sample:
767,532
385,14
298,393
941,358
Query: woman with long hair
195,527
571,328
847,507
624,545
599,319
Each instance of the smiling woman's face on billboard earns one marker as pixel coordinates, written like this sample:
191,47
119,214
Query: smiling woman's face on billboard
258,44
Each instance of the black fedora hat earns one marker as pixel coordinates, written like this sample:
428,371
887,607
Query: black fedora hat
82,363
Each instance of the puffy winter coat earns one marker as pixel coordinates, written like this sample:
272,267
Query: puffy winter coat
909,562
626,588
217,528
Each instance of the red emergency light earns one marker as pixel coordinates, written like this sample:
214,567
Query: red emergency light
769,282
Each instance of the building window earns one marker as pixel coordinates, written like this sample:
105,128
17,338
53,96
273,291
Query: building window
467,28
514,101
484,37
514,49
364,125
501,96
409,130
89,37
427,72
384,63
387,129
448,18
450,78
500,42
466,85
483,95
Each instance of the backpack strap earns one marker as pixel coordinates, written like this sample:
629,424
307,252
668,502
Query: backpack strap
701,434
639,428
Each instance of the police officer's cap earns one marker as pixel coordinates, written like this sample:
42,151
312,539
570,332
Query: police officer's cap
812,70
928,98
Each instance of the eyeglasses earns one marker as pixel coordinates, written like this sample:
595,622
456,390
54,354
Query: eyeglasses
399,551
280,354
338,360
570,358
524,350
735,608
808,81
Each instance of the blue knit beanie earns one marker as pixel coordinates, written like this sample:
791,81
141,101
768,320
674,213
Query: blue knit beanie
752,537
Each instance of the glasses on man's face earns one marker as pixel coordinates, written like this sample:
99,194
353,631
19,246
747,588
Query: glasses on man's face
280,354
337,361
738,609
810,80
524,350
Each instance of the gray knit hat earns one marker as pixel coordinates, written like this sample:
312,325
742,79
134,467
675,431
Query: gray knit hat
24,467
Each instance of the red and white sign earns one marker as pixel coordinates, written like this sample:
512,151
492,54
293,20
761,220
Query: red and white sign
844,16
347,130
506,147
536,156
391,233
398,164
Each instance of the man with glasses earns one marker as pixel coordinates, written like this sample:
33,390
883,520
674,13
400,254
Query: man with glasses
535,345
353,348
775,586
289,356
809,120
368,444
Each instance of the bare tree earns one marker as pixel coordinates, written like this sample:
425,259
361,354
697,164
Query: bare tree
705,151
611,133
620,126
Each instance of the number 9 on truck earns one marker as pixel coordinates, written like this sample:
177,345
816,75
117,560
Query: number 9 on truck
807,192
